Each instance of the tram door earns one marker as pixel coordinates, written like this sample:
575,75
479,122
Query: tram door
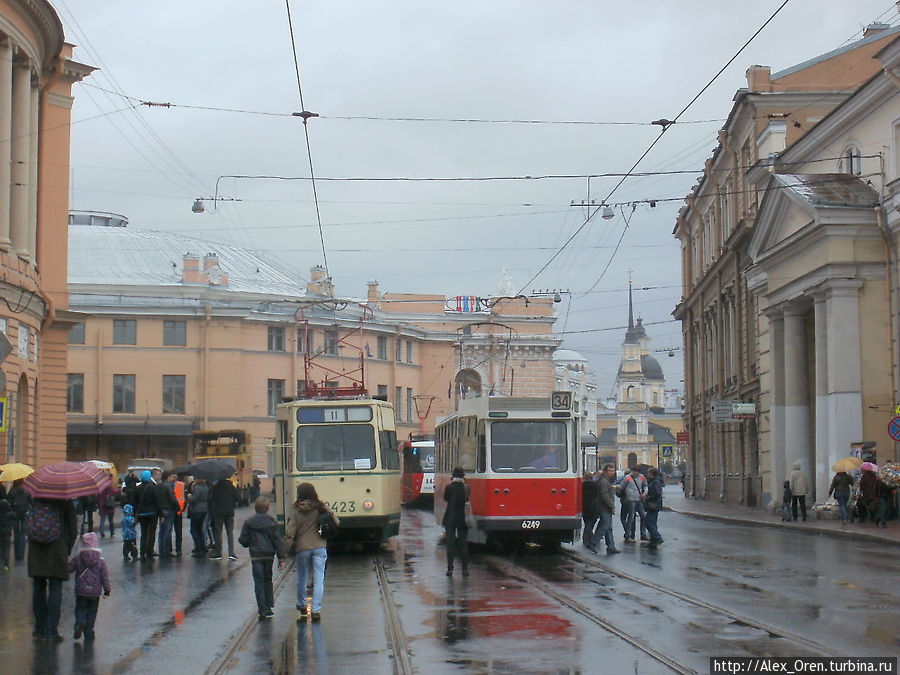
283,455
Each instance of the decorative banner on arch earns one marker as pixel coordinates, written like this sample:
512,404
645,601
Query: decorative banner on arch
466,304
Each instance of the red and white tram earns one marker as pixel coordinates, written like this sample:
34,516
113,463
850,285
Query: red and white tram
521,458
417,469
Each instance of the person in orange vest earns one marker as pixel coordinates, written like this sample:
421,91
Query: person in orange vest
182,503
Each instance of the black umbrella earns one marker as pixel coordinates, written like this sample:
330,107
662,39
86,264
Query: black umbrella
208,469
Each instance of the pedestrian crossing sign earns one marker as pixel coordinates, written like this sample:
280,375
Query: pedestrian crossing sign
667,450
4,404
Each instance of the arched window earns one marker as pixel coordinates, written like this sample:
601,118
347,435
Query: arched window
629,393
468,383
655,398
851,161
631,426
632,459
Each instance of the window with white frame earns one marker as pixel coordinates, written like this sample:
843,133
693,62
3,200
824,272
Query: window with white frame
275,342
851,160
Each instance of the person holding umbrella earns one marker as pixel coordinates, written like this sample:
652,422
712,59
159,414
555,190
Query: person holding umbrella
52,529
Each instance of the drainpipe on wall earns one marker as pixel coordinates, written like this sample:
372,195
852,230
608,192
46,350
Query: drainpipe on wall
890,265
208,315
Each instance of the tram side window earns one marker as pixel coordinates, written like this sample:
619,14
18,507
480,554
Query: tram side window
528,446
480,449
390,458
336,448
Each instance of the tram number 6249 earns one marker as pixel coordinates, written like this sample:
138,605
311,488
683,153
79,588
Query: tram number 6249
531,524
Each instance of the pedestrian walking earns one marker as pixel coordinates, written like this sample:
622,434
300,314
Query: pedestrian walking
91,581
108,502
168,507
260,534
6,530
633,487
48,561
197,512
840,487
456,494
20,501
148,511
89,505
653,502
589,514
178,523
606,507
129,534
302,539
786,498
799,488
222,499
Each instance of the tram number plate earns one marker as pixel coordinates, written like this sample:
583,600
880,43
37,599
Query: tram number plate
343,507
531,524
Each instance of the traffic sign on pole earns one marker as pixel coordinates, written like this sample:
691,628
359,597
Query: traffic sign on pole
894,428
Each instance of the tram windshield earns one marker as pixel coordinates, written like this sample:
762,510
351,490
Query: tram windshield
538,445
344,447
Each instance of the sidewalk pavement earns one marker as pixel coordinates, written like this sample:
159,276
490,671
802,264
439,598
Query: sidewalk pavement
674,500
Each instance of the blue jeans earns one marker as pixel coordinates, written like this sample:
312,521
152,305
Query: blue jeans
86,613
652,528
108,518
318,556
46,599
604,531
262,584
842,499
166,526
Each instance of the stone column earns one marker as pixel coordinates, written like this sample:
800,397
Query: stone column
5,139
21,151
824,445
34,126
777,459
844,374
797,444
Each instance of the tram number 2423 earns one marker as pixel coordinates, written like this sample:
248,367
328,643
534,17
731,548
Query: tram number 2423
531,524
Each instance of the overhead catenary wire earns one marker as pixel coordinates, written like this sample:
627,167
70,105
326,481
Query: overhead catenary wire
305,115
665,124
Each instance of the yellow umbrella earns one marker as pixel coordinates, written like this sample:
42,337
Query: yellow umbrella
847,464
14,471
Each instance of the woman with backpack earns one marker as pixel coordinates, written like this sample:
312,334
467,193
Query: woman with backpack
52,529
108,502
301,537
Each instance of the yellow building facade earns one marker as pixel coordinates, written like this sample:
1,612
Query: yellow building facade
169,343
36,77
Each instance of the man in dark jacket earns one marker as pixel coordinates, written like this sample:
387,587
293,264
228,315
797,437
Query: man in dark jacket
588,507
222,499
20,500
48,567
606,506
260,535
165,494
147,510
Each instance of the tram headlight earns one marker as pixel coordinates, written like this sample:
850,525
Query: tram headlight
368,505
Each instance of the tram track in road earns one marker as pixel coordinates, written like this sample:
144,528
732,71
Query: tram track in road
515,571
226,658
397,638
816,647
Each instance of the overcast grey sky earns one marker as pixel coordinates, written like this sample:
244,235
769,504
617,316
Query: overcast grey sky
567,65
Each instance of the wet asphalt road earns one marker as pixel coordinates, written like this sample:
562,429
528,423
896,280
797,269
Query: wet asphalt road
184,612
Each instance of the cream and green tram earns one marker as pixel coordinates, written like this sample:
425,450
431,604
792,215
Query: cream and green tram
347,448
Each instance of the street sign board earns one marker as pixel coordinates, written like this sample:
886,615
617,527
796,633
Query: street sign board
743,411
894,428
683,437
667,450
4,404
